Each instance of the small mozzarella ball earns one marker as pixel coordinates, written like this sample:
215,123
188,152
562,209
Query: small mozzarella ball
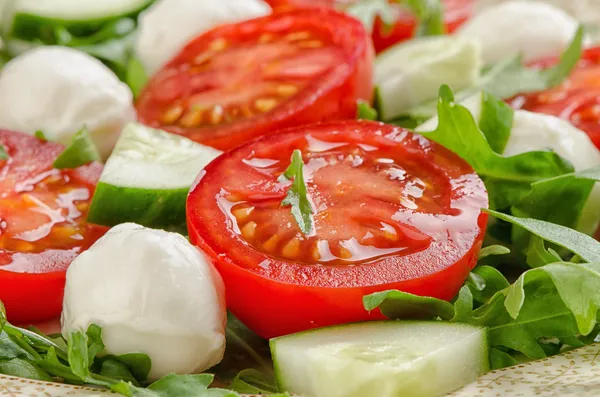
151,291
59,90
532,28
168,25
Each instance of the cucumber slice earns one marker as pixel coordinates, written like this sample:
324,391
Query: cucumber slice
383,359
411,73
147,178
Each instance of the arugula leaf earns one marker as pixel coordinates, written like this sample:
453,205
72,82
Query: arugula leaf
175,386
139,364
364,111
484,282
252,381
95,345
538,255
428,13
39,134
508,179
297,194
23,369
115,369
3,153
510,77
78,354
581,244
495,121
81,151
546,201
493,250
136,76
398,304
578,286
2,316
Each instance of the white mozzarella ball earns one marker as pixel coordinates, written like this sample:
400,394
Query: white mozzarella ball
168,25
532,28
151,291
59,90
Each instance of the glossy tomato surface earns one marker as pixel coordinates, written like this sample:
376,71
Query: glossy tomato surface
244,80
392,211
576,100
456,12
42,225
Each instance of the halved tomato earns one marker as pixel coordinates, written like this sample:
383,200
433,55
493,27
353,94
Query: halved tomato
392,211
456,12
244,80
42,225
576,100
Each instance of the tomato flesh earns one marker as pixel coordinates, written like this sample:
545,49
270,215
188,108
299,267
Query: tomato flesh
42,225
392,211
240,81
456,12
577,99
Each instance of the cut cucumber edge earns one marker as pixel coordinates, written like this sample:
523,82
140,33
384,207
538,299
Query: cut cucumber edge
469,342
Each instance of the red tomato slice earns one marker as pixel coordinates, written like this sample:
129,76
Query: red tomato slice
42,225
244,80
576,100
393,211
456,12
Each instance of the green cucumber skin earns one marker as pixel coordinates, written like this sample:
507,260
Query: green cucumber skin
30,27
113,205
279,379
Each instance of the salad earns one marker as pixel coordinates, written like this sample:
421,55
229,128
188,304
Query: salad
286,197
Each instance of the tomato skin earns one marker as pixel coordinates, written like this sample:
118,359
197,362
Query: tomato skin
278,302
456,13
331,96
577,99
32,283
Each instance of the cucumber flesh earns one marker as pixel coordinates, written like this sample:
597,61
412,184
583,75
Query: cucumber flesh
383,359
147,177
78,10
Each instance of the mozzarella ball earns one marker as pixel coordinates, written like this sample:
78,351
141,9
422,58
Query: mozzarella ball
168,25
59,90
532,28
151,291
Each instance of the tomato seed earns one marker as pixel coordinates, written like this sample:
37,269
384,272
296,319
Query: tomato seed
310,44
249,230
265,104
271,244
292,249
218,44
241,214
287,89
216,116
193,118
296,36
172,115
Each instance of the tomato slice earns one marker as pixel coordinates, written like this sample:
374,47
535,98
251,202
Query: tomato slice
42,225
576,100
244,80
393,211
456,12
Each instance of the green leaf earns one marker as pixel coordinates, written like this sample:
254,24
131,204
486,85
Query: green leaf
463,305
52,365
581,244
430,19
508,179
297,194
80,152
495,122
510,77
138,363
23,369
10,348
537,255
364,111
78,354
402,305
95,344
500,359
181,385
252,381
2,316
493,250
547,198
3,153
115,369
39,134
136,76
